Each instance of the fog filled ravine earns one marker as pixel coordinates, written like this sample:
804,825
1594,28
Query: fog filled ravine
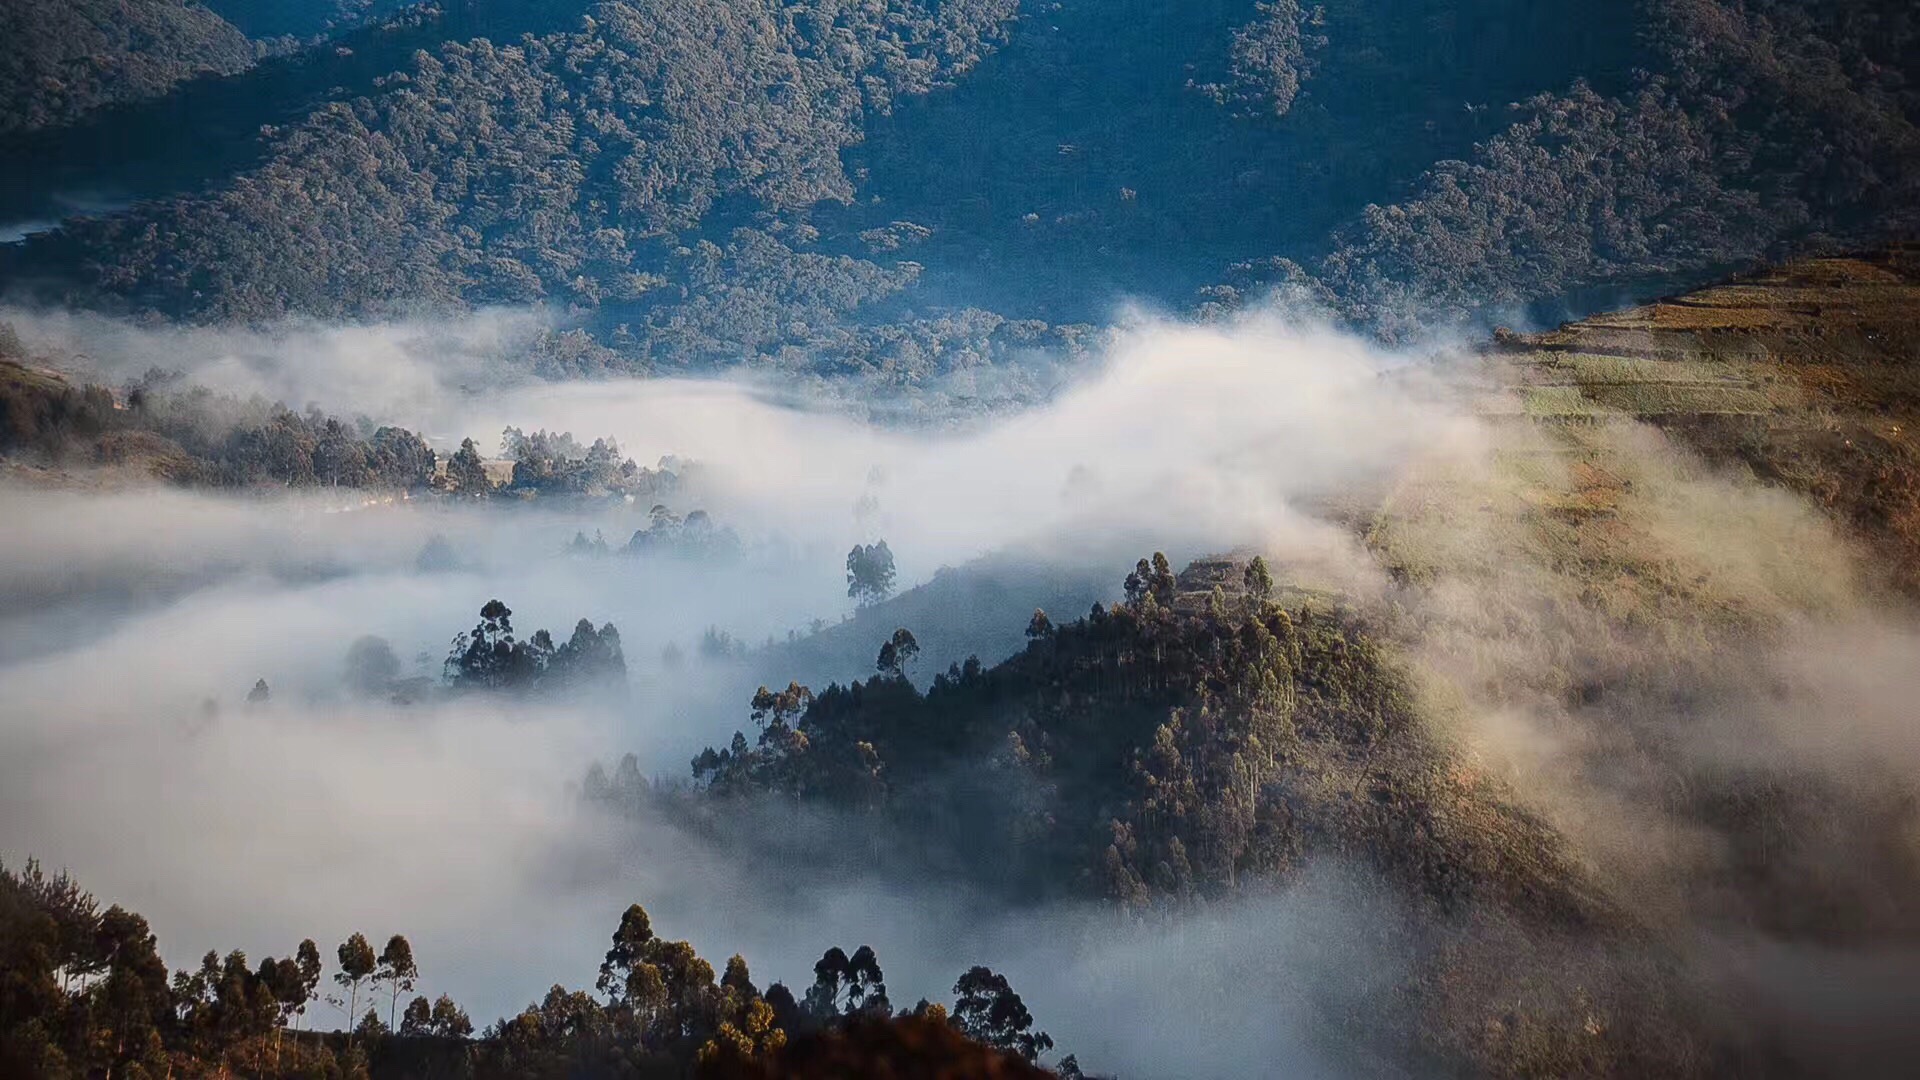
602,539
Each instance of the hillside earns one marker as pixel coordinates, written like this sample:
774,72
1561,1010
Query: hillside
1523,733
66,58
916,195
1803,375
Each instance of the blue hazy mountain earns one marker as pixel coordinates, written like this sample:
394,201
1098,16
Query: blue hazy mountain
888,187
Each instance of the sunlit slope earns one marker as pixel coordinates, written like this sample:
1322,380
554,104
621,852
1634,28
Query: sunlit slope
1656,604
1804,375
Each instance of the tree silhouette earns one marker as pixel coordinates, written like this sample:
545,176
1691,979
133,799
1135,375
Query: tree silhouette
870,573
398,970
308,961
357,963
986,1009
371,666
897,653
488,656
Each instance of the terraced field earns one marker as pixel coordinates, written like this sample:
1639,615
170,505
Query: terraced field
1806,376
1678,520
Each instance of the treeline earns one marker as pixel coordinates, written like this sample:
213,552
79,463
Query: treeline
695,535
1163,749
84,992
192,436
491,658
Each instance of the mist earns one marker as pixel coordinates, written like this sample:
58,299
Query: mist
134,620
457,821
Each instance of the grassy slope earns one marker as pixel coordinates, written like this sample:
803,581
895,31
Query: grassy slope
1803,375
1671,494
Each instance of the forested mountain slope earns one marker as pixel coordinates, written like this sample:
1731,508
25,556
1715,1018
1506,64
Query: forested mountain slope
912,192
64,58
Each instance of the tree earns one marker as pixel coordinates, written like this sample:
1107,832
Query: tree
436,556
770,709
1152,580
370,1030
308,960
662,988
260,694
449,1020
443,1018
823,997
400,458
629,950
1164,585
847,985
896,653
987,1010
284,981
466,472
870,573
488,657
398,971
737,979
133,1000
372,667
1039,626
418,1019
590,658
866,986
1259,580
356,965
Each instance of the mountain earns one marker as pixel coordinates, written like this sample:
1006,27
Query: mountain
64,59
1644,571
916,193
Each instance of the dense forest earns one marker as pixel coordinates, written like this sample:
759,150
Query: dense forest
806,187
1756,127
84,992
66,58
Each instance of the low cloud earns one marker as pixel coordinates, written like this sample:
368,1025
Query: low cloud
454,821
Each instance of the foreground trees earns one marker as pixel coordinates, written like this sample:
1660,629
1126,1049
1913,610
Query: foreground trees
84,993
